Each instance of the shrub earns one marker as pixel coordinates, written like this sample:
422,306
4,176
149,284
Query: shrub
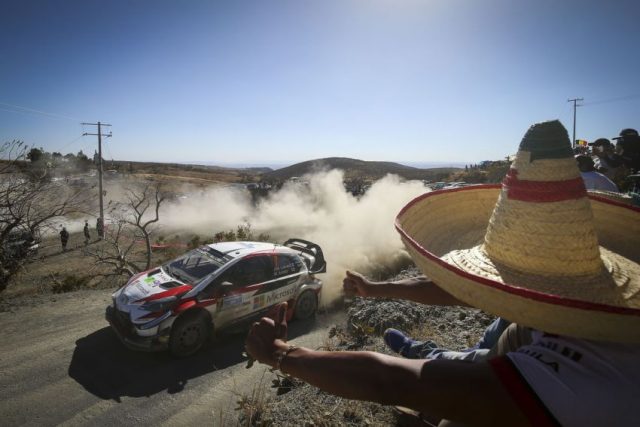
195,242
243,232
69,283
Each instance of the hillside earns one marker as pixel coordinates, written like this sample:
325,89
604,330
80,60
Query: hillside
195,172
355,168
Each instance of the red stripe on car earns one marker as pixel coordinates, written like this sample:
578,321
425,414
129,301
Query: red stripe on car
168,293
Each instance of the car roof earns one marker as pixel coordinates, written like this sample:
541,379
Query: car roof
240,249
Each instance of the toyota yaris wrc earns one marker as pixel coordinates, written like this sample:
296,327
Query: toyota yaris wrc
219,286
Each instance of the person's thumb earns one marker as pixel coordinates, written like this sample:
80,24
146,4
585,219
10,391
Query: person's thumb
281,321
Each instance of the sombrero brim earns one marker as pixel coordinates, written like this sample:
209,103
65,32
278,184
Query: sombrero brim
444,230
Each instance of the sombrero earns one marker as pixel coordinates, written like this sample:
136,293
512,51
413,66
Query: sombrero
537,250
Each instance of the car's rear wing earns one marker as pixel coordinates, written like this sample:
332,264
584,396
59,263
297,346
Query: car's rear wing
311,253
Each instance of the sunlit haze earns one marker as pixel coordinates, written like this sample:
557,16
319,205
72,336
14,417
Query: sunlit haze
277,82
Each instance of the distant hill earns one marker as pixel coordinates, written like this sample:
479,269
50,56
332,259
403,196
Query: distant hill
360,169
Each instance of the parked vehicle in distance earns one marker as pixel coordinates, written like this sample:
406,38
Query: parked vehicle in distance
218,286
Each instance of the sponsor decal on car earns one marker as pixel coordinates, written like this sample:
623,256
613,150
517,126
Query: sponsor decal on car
231,301
258,302
278,295
143,290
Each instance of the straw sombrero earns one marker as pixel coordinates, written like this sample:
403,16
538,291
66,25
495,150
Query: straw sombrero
537,250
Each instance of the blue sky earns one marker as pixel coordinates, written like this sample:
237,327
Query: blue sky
267,82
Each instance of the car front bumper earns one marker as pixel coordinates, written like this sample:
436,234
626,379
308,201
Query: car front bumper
125,332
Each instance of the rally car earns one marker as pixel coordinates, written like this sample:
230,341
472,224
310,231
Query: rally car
218,286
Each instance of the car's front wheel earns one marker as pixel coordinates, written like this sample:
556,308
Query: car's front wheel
189,333
306,305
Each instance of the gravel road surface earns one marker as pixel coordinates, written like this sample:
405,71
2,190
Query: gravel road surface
61,364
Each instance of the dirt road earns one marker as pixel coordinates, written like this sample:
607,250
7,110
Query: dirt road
61,364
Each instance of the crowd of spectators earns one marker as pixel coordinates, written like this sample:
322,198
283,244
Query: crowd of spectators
608,166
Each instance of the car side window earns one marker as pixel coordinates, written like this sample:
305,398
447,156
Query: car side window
256,269
286,265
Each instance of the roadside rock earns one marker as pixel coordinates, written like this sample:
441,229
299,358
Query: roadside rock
451,327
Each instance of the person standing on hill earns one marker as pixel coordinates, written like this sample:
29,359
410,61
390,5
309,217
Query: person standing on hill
606,161
628,147
100,228
593,179
64,238
87,235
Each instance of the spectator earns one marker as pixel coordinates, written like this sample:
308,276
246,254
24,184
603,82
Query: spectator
539,264
100,227
628,147
87,235
606,161
64,238
593,180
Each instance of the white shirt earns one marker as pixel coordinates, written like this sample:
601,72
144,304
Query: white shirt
596,181
579,382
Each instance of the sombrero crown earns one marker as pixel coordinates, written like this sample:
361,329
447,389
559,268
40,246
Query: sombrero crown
537,250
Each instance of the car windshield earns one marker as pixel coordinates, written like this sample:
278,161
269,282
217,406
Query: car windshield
196,265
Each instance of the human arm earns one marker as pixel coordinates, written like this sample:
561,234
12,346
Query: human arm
418,289
454,390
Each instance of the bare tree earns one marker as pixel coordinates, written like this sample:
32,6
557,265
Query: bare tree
28,203
133,222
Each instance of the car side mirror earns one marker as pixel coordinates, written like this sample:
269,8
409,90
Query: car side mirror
225,287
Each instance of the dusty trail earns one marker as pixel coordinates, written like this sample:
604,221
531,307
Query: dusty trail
61,364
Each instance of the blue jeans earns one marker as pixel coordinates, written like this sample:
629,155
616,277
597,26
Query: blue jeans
430,350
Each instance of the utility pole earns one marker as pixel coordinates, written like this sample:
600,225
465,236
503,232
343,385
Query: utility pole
100,135
575,105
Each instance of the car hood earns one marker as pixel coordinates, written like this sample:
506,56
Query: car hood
152,285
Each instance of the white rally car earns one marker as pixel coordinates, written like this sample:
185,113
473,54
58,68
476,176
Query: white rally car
219,286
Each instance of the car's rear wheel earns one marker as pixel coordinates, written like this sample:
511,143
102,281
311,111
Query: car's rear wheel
189,333
306,305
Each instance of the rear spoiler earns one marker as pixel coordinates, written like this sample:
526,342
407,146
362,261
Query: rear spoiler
311,250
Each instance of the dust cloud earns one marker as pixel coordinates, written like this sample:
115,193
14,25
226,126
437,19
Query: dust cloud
354,233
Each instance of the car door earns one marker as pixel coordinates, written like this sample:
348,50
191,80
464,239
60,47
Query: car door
246,278
284,284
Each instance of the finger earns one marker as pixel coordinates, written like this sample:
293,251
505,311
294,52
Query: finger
349,290
273,312
281,323
259,329
282,313
355,276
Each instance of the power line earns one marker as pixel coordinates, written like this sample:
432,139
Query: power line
68,144
616,99
27,110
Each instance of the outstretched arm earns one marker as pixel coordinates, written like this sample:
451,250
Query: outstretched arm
418,289
454,390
